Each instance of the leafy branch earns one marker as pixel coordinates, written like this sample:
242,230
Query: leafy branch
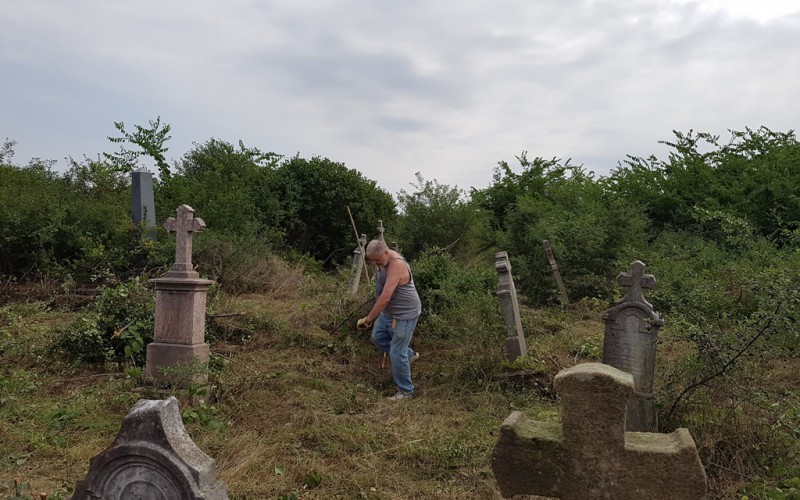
727,366
151,140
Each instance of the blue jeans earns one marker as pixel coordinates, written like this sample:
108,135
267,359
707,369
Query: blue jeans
395,341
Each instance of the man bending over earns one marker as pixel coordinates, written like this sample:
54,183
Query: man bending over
395,314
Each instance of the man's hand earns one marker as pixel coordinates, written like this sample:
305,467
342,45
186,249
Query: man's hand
363,324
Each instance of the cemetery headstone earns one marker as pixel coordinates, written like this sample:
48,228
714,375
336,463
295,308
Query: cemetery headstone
556,273
143,206
180,317
589,455
358,264
152,458
629,344
515,342
381,230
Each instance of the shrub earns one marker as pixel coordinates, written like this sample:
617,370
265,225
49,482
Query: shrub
116,327
458,302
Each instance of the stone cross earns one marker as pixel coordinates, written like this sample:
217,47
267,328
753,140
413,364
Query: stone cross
590,456
152,457
636,280
184,227
507,292
380,230
629,344
180,316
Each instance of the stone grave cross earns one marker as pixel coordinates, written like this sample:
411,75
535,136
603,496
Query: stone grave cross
183,227
381,230
180,317
630,341
636,280
589,455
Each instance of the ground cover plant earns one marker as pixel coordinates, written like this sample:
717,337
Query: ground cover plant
299,411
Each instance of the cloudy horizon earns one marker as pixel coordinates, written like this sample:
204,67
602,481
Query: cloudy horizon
389,89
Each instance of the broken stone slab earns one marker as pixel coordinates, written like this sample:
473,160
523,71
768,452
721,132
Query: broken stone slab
152,458
590,455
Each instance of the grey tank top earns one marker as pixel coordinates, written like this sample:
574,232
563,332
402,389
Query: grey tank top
405,303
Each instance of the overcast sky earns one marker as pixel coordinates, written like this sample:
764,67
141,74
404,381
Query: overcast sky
390,88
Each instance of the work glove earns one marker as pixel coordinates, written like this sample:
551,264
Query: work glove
363,324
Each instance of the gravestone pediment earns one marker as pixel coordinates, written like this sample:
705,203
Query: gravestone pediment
152,457
641,309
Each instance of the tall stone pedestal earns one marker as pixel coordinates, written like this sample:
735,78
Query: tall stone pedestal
180,323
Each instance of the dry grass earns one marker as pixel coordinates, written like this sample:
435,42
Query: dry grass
302,411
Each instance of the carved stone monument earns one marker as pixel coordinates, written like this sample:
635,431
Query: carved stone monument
358,265
629,344
381,230
515,342
151,458
590,456
143,206
180,318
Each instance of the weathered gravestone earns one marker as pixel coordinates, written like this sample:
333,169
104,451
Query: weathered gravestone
629,344
143,206
152,458
180,318
381,230
358,265
515,342
589,455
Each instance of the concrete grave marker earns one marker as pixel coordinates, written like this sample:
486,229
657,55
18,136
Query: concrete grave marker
180,318
358,265
515,342
381,230
589,455
152,458
629,344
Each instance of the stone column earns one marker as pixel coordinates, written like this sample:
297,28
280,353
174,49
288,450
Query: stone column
358,259
180,318
507,292
143,206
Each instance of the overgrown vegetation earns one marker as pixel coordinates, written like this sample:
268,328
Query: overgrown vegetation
716,223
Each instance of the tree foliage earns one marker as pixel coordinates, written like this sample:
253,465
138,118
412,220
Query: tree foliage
314,195
151,142
562,203
438,215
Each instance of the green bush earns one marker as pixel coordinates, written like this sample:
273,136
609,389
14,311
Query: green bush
437,215
116,327
458,302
